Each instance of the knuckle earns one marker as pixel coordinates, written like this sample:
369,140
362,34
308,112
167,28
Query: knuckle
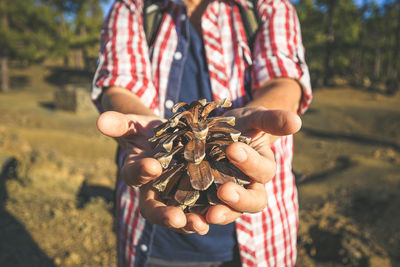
269,174
142,211
262,200
262,204
266,176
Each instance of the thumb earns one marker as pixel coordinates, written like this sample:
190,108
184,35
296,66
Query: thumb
113,124
276,122
116,124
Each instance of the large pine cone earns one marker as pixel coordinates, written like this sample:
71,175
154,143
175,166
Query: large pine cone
193,155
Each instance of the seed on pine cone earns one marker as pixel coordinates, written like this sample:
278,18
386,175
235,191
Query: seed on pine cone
193,155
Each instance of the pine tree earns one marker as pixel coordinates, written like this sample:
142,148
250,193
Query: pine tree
87,26
4,28
331,29
28,34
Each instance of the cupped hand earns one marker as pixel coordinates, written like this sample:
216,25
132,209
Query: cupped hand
139,168
256,160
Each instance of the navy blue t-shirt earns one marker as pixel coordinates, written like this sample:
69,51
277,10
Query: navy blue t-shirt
219,244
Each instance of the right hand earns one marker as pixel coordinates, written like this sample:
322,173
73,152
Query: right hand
139,168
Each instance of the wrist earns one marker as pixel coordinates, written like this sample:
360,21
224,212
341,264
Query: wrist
278,94
120,99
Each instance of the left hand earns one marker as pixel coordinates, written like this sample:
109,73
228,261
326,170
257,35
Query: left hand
255,160
139,169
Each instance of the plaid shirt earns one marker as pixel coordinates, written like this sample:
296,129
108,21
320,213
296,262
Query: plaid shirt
267,238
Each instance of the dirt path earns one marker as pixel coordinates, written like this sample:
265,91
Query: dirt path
347,159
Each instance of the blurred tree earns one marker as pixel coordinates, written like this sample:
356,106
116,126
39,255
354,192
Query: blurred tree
28,34
80,23
63,9
33,30
330,6
87,26
360,45
392,17
4,28
348,41
381,45
342,27
372,45
313,35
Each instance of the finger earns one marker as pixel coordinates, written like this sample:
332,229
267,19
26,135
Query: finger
196,224
222,214
115,124
258,165
141,171
253,199
278,122
275,122
157,212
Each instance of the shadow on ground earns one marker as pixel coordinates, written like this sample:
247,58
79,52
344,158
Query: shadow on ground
88,192
17,248
19,81
353,137
342,163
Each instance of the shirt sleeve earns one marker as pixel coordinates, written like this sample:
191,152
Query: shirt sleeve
124,54
278,49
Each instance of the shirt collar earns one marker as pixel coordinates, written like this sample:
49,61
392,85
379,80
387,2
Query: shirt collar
164,3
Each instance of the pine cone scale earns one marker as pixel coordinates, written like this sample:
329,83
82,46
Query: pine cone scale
200,175
166,176
195,151
185,194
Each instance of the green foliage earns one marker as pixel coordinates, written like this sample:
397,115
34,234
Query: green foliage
33,30
357,43
87,26
27,29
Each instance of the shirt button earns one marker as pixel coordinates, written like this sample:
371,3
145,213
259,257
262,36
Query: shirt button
178,55
183,17
169,104
143,247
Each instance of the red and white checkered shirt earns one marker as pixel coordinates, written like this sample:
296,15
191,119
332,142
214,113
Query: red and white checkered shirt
267,238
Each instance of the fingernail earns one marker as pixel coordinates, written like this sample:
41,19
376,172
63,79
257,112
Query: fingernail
298,121
239,156
202,232
232,198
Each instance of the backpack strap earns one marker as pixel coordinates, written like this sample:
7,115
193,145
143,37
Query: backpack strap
250,21
152,16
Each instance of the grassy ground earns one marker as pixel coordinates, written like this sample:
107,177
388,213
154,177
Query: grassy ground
347,158
58,175
56,186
